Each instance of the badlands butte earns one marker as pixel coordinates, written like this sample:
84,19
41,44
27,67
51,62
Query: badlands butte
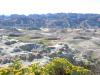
40,38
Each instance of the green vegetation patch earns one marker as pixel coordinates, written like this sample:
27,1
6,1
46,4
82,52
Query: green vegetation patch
58,66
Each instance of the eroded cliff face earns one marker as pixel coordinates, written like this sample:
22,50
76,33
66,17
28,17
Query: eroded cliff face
59,20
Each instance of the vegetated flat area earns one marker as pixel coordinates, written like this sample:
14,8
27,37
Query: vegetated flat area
79,46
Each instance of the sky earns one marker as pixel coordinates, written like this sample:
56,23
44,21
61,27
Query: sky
8,7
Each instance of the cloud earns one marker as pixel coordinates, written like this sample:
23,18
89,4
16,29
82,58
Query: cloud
48,6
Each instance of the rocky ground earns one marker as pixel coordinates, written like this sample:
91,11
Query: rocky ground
81,47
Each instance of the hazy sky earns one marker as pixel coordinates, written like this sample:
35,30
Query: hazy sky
48,6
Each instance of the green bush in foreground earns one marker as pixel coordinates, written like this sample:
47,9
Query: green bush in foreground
58,66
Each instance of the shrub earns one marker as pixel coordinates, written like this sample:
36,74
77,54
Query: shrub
58,66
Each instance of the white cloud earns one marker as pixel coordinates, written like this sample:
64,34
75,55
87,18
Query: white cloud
48,6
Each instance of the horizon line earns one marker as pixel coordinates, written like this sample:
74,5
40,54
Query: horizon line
48,13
